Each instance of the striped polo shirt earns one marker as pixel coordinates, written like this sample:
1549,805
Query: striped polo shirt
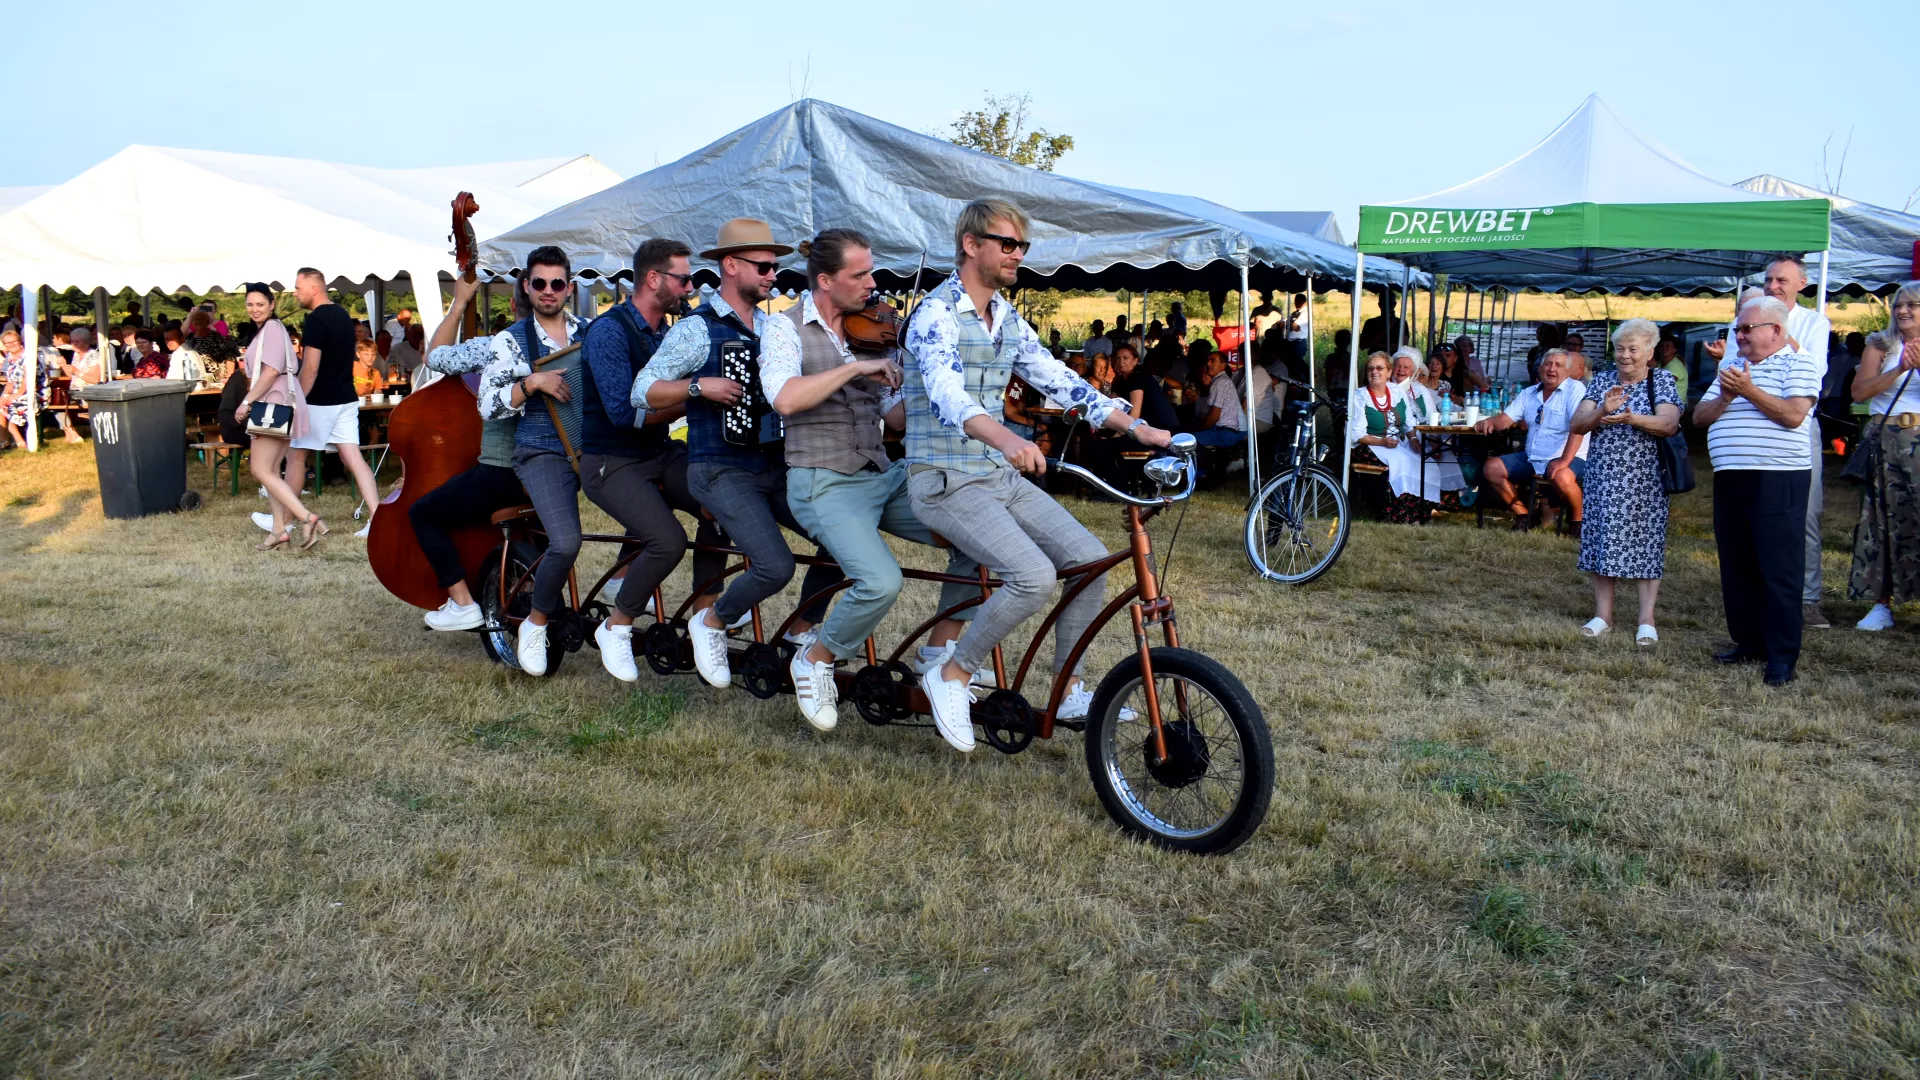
1744,438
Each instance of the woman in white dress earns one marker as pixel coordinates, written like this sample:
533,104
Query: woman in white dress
1381,425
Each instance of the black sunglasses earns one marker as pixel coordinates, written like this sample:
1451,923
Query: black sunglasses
765,267
538,284
684,279
1008,245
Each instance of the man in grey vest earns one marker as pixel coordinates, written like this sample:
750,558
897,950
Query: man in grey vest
964,465
840,484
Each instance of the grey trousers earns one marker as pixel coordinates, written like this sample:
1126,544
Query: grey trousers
751,507
1004,522
1811,592
642,494
554,490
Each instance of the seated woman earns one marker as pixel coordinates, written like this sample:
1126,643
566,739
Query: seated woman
1411,375
1382,429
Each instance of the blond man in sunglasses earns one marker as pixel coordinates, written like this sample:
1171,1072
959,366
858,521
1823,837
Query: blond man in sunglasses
965,465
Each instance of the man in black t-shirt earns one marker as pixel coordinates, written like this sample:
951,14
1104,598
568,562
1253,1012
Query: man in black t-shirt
326,374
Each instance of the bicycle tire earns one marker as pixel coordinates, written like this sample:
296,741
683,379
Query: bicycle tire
1118,718
1258,539
497,636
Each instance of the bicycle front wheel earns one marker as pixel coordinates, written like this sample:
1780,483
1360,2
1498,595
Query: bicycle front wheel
1297,526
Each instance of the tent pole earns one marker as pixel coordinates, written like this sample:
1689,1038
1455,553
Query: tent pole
1353,363
146,309
1246,375
110,361
1313,367
1430,304
1821,304
1406,306
30,341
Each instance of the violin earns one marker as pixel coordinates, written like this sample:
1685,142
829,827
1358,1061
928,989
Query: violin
874,328
435,434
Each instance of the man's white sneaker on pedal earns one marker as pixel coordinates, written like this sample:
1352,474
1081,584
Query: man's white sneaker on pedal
452,616
709,650
932,657
1075,704
531,648
815,690
616,650
952,705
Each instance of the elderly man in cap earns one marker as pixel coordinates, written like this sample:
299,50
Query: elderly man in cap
737,471
1808,332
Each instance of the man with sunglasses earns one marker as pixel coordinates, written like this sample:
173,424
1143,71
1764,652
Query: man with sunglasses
964,465
628,465
741,479
541,457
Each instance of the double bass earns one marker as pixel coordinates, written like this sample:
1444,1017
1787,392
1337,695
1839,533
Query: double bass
436,435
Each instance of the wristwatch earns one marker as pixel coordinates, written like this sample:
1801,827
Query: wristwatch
1131,428
693,389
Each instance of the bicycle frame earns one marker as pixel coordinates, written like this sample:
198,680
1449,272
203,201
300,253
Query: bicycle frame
1146,603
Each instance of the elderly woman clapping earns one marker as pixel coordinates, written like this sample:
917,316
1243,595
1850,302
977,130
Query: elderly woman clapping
1886,543
1628,410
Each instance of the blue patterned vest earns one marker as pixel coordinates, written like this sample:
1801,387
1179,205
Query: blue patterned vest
704,439
988,368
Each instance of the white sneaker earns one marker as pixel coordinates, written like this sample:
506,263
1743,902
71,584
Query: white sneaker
1880,618
745,618
1075,705
815,690
365,530
803,640
931,657
531,648
709,650
263,519
952,705
616,650
452,616
263,494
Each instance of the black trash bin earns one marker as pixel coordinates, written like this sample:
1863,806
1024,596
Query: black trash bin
140,445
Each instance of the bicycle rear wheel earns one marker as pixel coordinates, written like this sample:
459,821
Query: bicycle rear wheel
499,635
1297,526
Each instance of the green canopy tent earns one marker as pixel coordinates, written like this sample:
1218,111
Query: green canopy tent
1593,205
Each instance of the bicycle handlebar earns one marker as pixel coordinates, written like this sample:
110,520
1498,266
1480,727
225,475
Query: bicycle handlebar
1160,470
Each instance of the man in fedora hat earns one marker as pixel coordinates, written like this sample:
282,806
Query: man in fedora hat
738,474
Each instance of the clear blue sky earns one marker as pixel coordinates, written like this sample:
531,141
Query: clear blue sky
1260,106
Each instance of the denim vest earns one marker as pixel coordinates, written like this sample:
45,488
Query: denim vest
988,368
536,428
704,439
598,434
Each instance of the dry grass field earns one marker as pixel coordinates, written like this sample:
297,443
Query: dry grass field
257,823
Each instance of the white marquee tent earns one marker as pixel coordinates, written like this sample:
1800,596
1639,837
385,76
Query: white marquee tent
152,218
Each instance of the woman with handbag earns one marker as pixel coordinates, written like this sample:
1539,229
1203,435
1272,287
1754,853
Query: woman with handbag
1886,543
274,413
1630,411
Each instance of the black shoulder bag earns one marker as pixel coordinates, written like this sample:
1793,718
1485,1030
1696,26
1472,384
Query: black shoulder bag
1676,466
1860,463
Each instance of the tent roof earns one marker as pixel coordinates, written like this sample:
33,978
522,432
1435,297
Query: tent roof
1596,203
11,197
814,165
1320,223
160,218
1872,246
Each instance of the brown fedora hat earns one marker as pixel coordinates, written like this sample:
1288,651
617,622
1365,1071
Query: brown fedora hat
744,234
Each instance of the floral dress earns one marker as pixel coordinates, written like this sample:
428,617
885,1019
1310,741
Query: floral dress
1625,529
13,378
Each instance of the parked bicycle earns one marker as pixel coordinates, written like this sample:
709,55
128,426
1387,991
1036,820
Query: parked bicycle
1297,524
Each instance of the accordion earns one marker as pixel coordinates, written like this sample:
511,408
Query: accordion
751,423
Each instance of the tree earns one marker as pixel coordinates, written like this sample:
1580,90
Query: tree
1000,128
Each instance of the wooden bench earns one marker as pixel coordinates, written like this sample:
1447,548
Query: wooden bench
218,454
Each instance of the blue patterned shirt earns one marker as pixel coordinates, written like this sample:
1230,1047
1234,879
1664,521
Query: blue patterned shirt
933,338
681,353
